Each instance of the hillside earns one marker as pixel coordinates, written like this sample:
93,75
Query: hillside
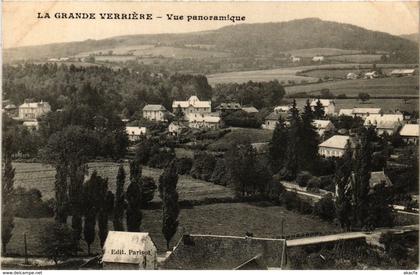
244,40
412,37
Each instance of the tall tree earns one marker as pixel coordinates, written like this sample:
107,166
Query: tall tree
170,207
134,198
91,195
7,212
343,190
119,200
278,145
291,164
362,169
319,111
308,149
105,208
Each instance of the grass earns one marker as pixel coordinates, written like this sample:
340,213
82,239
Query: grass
36,175
240,135
356,58
321,51
389,86
218,219
388,105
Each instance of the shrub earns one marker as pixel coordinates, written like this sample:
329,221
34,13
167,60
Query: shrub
220,173
289,200
325,208
327,183
161,157
314,184
183,165
203,166
305,207
275,189
58,241
148,189
29,204
303,178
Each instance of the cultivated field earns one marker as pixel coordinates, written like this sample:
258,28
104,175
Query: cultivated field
36,175
356,58
321,51
240,135
389,86
234,219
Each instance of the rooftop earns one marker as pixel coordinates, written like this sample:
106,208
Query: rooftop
192,101
337,141
250,109
154,107
321,124
366,110
410,130
324,102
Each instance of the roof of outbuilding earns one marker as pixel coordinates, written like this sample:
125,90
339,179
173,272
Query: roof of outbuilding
154,107
229,106
250,109
324,102
410,130
321,124
378,118
276,116
345,112
337,141
134,130
366,110
224,252
192,101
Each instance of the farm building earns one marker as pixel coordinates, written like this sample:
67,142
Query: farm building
371,75
410,133
272,119
327,104
250,110
388,123
335,146
206,121
134,133
345,112
323,126
193,108
232,106
352,76
282,109
155,112
295,59
403,72
318,58
214,252
175,128
364,112
30,111
129,250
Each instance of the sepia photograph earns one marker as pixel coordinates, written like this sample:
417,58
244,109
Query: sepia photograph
209,136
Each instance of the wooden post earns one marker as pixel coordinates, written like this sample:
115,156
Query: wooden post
26,249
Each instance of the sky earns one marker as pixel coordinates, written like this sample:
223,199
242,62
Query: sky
21,27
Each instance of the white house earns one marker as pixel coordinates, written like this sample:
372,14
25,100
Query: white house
318,58
371,75
335,146
31,125
33,110
403,72
129,250
351,76
388,123
345,112
327,104
364,112
207,121
175,128
134,133
295,59
323,126
194,109
155,112
282,109
410,133
270,121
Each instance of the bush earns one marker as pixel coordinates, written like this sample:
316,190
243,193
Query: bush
242,119
29,204
148,189
203,166
275,189
314,184
220,173
305,207
289,200
58,241
183,165
161,157
303,178
327,183
325,208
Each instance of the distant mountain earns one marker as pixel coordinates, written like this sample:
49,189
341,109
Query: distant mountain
412,37
244,40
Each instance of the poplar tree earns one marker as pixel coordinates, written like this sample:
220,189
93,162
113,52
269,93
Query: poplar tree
105,208
90,199
119,200
134,198
343,190
278,145
291,166
308,149
319,110
170,207
7,213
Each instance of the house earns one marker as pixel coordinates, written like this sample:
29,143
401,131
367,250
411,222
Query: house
215,252
318,58
335,146
154,112
323,126
129,250
327,104
250,110
33,110
206,121
282,109
295,59
233,106
403,72
272,119
134,133
176,128
388,123
352,76
193,108
410,133
364,112
371,75
345,112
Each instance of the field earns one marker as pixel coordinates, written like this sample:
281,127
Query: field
225,219
356,58
36,175
289,73
240,135
321,51
389,86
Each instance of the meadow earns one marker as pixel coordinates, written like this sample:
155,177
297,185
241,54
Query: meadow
356,58
40,176
240,135
233,219
321,51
